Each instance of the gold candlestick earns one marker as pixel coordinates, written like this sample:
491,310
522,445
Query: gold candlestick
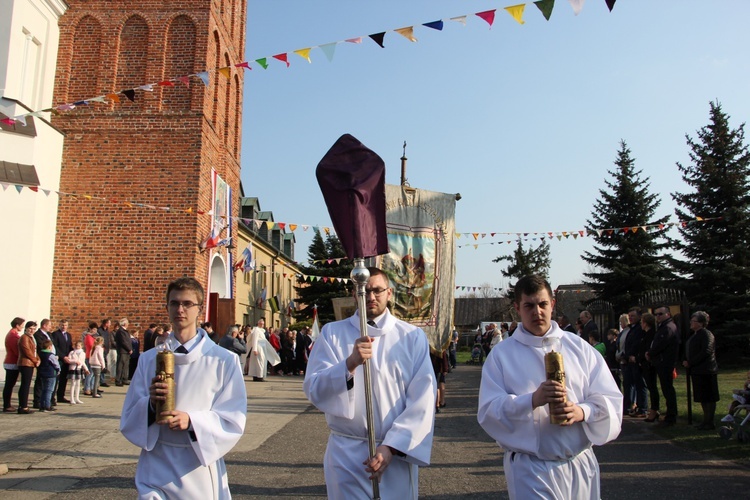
165,372
553,364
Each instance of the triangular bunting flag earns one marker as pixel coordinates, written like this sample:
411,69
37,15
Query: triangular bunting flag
329,49
546,7
436,25
185,80
165,83
263,62
226,72
304,54
487,15
19,188
203,75
282,57
292,227
130,94
459,19
516,11
577,6
114,97
378,38
243,64
610,4
354,40
407,33
149,87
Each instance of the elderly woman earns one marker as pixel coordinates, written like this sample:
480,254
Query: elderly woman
700,360
27,361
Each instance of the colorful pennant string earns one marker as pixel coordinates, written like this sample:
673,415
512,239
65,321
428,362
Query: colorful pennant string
328,49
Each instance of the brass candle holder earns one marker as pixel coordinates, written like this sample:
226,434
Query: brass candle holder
553,364
165,373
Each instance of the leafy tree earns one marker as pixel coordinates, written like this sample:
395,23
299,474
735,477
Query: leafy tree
626,265
524,262
321,292
716,265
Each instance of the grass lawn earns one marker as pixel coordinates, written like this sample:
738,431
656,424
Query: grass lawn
709,442
686,435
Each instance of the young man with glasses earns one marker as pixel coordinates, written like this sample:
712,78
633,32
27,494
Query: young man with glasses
403,390
182,450
663,357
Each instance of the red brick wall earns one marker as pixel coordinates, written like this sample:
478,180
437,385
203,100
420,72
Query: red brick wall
112,260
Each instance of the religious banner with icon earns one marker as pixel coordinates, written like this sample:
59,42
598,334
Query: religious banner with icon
421,263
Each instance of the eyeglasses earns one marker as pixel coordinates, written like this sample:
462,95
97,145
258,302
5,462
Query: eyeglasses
375,291
186,304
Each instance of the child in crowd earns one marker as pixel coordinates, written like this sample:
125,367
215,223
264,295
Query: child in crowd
49,368
739,397
595,340
96,360
76,372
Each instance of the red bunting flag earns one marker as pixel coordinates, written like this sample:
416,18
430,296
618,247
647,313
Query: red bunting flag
488,15
282,58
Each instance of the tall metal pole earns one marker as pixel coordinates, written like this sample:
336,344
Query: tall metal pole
360,275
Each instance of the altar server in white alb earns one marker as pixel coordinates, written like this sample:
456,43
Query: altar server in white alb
182,450
545,460
403,388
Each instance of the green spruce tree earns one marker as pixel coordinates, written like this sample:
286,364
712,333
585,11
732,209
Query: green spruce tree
715,271
524,262
321,255
628,260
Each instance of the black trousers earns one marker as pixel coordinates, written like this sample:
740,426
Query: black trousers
123,367
27,373
11,377
62,381
667,388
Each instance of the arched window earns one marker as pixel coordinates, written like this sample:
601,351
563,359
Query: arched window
179,61
216,78
132,58
86,60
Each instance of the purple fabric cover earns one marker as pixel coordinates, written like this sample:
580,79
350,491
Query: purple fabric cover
352,179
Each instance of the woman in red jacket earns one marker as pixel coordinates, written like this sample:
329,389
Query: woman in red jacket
27,361
11,362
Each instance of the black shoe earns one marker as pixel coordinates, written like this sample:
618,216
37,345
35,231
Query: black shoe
100,391
24,411
437,410
42,410
118,384
104,385
127,382
64,400
51,409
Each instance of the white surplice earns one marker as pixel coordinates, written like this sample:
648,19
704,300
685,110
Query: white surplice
403,388
256,357
542,459
210,388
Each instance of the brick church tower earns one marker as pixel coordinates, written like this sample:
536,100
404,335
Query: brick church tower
172,146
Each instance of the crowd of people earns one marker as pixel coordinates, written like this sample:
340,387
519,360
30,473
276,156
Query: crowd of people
65,367
643,356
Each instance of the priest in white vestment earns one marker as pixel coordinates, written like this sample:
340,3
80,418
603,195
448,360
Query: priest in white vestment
403,389
182,450
256,358
545,460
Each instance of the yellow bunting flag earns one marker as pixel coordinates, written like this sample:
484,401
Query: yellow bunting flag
304,54
227,72
292,227
407,33
516,11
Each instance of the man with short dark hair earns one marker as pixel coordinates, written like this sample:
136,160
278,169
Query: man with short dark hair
663,356
182,450
403,390
63,345
542,459
635,381
564,323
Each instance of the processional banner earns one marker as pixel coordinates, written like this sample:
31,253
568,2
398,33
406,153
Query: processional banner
422,260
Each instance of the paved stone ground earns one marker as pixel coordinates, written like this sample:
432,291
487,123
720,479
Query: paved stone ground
286,461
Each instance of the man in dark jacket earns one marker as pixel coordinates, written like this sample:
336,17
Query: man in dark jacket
663,356
63,345
634,374
124,350
40,336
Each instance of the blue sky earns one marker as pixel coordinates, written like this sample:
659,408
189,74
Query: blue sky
523,120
